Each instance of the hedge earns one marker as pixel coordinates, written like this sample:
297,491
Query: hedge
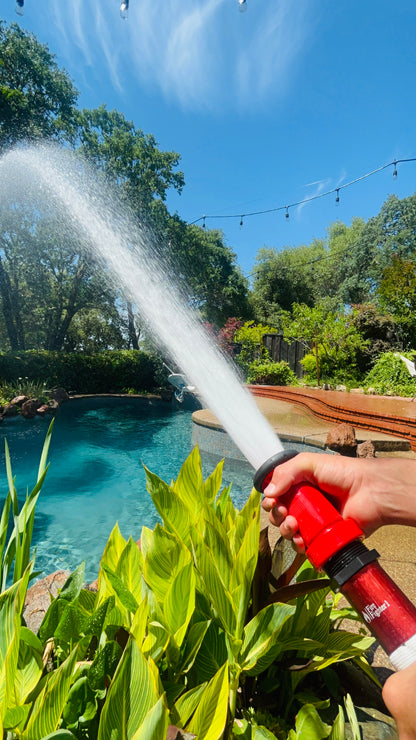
115,371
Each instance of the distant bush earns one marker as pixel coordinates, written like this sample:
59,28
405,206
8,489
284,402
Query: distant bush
114,371
391,376
271,373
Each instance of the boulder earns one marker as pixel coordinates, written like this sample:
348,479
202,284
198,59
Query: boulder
58,394
38,598
10,409
366,449
44,410
19,400
29,408
342,439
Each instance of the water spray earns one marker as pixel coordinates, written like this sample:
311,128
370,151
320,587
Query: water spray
334,545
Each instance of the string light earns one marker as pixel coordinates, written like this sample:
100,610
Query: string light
242,6
241,222
124,9
19,7
336,190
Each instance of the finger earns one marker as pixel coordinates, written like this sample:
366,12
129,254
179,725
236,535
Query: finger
289,527
277,515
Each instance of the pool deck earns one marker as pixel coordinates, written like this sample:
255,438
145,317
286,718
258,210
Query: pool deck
307,415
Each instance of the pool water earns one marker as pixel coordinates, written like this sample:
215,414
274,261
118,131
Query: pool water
96,475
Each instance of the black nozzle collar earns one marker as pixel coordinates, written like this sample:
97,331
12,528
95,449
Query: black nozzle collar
264,470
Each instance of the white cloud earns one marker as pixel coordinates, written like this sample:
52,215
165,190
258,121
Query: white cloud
198,53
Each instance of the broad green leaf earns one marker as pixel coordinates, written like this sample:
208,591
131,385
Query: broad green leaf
211,655
186,705
155,723
71,624
213,483
132,694
261,636
96,622
175,515
192,644
126,597
209,720
156,641
113,549
217,541
81,704
164,556
189,484
11,605
245,562
29,666
338,728
139,624
179,602
215,589
309,725
15,717
104,665
262,733
73,585
352,717
130,569
250,512
49,704
61,735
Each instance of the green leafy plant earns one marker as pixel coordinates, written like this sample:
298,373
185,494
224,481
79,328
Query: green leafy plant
199,628
391,376
271,373
16,524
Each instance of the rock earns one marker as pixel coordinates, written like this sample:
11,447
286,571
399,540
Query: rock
44,410
29,408
10,409
19,400
357,391
38,598
342,388
342,439
59,394
53,405
366,449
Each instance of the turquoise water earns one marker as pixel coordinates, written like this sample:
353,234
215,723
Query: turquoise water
96,475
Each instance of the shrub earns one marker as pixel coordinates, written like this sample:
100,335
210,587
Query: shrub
105,372
183,631
391,376
271,373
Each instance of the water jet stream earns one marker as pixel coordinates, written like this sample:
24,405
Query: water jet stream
57,175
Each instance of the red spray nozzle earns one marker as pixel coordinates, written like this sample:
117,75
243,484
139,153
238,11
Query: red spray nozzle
323,529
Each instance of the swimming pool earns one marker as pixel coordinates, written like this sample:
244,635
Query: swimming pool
96,476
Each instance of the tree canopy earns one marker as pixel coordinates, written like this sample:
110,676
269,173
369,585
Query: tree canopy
53,293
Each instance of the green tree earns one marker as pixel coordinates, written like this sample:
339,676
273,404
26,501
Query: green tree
333,336
206,270
37,98
397,295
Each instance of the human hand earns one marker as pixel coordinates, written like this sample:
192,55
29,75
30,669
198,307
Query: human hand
399,698
373,492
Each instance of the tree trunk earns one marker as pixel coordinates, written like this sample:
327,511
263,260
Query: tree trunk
8,311
133,338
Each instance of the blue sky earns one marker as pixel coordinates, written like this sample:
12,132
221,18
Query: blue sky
266,108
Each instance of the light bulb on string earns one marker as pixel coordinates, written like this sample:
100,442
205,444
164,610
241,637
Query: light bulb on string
242,6
395,168
337,197
203,222
241,222
124,8
287,212
19,7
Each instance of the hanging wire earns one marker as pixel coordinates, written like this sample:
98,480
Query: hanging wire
336,190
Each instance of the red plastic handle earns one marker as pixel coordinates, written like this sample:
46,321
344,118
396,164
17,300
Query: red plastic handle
322,527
